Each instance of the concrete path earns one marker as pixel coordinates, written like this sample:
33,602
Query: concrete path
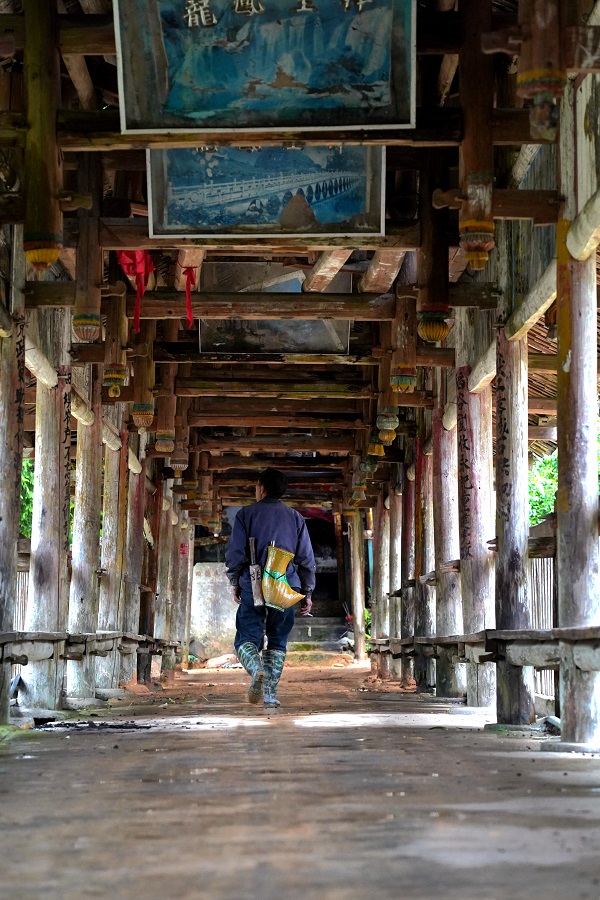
345,792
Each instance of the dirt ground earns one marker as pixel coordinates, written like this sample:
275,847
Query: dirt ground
347,791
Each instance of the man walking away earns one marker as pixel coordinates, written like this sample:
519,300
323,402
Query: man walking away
271,523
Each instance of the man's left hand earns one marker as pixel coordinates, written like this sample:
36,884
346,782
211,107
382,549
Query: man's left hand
306,606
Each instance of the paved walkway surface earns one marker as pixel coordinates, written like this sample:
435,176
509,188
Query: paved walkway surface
346,792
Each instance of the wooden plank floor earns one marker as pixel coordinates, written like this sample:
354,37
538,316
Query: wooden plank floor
345,792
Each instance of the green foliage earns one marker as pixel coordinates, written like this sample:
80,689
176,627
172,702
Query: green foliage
27,479
543,482
26,497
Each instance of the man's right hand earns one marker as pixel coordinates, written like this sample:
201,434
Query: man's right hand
237,594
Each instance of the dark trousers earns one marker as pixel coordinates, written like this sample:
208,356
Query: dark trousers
253,622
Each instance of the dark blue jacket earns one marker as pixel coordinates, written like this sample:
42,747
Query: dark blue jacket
270,520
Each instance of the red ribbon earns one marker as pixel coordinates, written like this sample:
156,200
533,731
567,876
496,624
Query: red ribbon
190,282
136,264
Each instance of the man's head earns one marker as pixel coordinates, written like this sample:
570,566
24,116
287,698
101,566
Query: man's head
273,483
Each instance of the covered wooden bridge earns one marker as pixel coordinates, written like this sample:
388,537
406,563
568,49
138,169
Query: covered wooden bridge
387,287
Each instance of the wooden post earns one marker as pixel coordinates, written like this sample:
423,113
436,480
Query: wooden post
43,176
515,685
184,552
424,598
380,601
357,566
577,497
134,551
83,598
339,553
450,679
165,543
12,396
48,594
407,619
86,314
168,657
188,597
395,583
473,424
476,155
167,402
114,522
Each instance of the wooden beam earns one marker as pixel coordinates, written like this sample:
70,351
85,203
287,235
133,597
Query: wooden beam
535,303
273,420
382,272
546,362
481,295
541,206
190,258
583,235
222,463
274,443
197,387
484,371
121,234
325,269
256,306
170,353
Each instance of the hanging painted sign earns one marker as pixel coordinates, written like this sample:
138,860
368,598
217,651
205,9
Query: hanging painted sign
265,65
267,192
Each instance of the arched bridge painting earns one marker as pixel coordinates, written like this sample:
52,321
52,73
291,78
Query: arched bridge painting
265,65
267,191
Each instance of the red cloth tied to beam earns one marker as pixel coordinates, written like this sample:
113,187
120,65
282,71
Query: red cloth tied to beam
136,264
190,282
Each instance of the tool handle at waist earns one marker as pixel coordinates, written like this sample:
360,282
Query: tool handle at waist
252,542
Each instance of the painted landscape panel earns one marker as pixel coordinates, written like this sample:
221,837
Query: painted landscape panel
234,65
271,191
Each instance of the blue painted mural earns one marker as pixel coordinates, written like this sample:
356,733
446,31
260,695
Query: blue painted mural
232,64
272,190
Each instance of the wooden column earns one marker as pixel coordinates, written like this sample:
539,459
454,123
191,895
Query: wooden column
424,597
165,543
577,497
515,685
395,583
167,401
83,597
168,657
184,552
48,594
357,567
476,155
381,570
12,396
150,572
407,619
450,679
188,597
339,553
114,525
134,551
43,176
473,424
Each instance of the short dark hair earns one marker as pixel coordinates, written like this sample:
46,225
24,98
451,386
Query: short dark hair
274,482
